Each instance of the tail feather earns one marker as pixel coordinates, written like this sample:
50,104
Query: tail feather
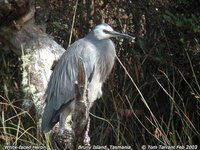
51,116
48,118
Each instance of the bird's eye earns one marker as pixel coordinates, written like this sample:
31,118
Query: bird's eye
106,31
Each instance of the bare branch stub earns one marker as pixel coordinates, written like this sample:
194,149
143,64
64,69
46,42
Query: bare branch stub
81,121
62,141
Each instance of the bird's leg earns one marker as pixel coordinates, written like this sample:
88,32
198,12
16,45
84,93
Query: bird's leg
62,123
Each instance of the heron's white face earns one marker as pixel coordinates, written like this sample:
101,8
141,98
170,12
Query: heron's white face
102,31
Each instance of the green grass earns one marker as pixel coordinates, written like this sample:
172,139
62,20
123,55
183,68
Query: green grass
18,130
179,125
122,118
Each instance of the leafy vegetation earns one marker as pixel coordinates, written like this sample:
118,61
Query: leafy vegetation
152,96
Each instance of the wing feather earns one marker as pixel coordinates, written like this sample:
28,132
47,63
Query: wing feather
60,90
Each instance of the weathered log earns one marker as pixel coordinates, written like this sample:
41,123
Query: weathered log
13,10
36,49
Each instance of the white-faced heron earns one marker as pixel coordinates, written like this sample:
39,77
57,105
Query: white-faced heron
98,54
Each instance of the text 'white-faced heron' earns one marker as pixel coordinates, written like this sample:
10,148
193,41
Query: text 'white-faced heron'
98,54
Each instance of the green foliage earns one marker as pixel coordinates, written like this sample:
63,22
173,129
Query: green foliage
58,25
152,97
182,21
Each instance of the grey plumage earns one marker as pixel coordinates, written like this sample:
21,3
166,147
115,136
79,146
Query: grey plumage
98,53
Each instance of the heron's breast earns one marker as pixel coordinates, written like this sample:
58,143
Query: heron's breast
105,63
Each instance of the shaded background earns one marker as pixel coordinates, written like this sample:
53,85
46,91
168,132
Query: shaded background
164,62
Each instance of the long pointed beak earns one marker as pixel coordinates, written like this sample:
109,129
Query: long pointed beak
117,34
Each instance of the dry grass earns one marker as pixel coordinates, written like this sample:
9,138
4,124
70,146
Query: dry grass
152,96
